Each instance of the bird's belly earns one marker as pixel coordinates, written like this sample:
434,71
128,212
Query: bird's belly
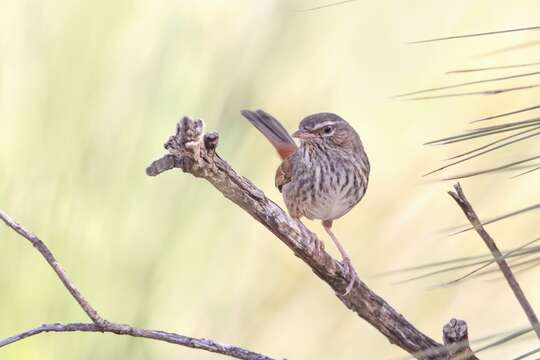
325,192
330,206
323,203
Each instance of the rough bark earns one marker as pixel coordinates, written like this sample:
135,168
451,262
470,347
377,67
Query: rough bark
194,152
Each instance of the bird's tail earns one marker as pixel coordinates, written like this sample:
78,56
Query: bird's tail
272,129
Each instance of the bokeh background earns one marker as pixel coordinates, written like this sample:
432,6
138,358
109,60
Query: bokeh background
89,91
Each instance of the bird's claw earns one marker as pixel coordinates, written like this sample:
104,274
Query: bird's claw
350,272
319,246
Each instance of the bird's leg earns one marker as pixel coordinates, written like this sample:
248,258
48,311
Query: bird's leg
327,224
319,245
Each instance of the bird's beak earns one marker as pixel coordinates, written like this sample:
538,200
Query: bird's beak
302,134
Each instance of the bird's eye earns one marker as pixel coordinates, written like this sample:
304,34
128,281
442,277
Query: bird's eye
327,130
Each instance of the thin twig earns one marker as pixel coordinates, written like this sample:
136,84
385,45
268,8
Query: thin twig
49,257
100,324
122,329
469,212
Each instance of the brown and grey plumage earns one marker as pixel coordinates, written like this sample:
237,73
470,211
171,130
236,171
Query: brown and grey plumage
323,178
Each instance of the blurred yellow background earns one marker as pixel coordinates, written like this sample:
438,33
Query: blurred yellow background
90,90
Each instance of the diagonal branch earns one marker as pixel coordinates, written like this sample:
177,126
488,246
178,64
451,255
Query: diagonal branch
194,152
49,257
469,212
101,325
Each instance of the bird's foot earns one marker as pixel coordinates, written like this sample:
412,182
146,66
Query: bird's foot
350,273
319,246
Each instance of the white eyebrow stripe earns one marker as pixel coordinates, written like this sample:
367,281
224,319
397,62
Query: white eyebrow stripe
318,126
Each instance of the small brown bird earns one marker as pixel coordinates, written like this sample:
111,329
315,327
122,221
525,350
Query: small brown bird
326,176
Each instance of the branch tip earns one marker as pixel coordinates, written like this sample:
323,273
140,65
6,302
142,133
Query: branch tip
456,340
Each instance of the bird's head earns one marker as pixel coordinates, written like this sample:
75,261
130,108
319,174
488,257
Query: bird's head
326,129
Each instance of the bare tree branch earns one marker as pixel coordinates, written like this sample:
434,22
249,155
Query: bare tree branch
122,329
469,212
100,324
189,151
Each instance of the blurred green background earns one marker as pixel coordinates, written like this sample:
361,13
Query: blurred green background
89,91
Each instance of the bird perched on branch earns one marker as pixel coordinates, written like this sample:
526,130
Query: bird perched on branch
324,177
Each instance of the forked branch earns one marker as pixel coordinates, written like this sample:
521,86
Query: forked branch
193,151
101,325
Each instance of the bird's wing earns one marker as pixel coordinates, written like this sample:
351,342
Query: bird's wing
284,173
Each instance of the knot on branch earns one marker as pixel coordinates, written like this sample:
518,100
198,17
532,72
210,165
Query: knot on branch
188,137
455,331
189,149
456,339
